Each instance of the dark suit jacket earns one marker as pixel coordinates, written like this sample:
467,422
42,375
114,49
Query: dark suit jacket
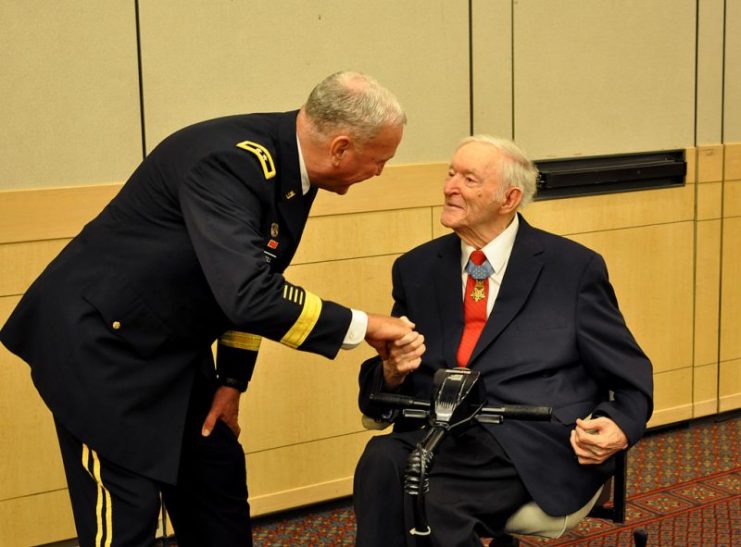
119,323
555,337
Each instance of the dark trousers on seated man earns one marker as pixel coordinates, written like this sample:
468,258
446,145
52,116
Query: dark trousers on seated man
474,488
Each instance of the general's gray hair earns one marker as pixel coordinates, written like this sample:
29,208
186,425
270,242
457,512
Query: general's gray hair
518,171
355,103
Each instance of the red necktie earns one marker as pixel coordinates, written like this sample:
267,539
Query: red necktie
474,311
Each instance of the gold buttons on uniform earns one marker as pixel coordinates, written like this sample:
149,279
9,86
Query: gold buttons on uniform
116,325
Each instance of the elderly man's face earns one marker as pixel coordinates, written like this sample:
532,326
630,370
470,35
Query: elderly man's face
473,193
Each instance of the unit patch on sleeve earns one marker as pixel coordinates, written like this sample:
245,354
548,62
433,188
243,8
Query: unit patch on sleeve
266,160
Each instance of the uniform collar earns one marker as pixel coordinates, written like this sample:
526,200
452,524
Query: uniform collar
305,182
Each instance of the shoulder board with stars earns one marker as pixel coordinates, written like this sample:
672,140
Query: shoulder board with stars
266,160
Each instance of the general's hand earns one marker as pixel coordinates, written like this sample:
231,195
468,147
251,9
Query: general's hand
224,407
596,440
404,356
383,330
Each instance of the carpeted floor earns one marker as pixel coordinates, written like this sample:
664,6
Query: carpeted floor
684,489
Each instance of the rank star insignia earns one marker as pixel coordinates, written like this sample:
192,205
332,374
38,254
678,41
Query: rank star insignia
478,292
274,229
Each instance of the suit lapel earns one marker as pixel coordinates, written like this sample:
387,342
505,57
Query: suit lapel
523,269
449,302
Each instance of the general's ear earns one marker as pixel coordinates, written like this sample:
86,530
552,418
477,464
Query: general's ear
338,147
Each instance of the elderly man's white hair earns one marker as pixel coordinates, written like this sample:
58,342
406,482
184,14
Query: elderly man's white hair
517,171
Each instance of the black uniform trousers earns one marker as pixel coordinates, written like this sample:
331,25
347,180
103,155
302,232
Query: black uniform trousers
474,488
115,507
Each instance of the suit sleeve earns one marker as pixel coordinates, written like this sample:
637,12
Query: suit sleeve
371,371
222,200
612,355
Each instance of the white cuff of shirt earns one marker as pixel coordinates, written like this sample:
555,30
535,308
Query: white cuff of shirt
356,332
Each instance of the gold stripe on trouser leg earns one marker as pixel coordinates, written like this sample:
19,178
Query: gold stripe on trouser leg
103,509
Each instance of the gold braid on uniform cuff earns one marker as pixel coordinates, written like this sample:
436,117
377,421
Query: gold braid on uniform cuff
311,309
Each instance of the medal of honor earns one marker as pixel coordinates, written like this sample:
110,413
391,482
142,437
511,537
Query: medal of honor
478,292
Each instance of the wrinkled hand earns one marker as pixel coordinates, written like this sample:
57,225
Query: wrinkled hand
224,407
383,330
404,356
596,440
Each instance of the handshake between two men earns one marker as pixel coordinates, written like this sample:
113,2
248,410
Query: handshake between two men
399,345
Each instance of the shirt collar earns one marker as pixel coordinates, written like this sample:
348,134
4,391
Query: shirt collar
497,251
305,182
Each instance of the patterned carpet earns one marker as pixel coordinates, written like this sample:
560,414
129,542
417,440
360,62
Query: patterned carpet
684,489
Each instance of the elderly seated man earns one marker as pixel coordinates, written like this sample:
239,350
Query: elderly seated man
537,317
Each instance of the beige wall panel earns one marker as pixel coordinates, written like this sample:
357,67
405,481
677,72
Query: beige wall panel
705,391
31,461
710,14
732,199
611,211
707,292
732,158
36,520
709,200
651,269
492,67
732,92
437,228
730,385
672,397
603,77
224,57
710,163
730,306
50,213
399,187
291,476
53,213
70,105
605,212
313,397
21,263
363,234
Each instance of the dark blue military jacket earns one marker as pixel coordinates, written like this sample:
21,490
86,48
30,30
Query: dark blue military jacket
191,250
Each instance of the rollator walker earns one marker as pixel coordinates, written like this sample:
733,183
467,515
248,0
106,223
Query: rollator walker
456,401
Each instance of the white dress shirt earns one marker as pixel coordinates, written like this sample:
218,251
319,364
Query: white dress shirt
497,252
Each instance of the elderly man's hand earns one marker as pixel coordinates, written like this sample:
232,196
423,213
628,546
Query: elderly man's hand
383,330
596,440
404,356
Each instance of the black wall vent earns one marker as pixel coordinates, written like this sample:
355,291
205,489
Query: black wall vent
609,174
